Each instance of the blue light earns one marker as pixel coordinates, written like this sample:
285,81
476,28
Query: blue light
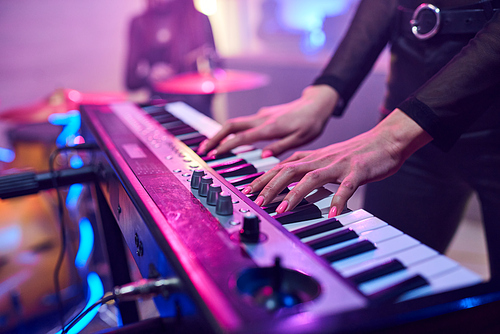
313,42
7,155
76,162
71,122
10,238
96,291
74,192
308,15
86,243
317,38
288,301
470,302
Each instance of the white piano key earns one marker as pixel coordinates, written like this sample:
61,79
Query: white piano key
294,226
407,257
248,156
353,216
263,165
384,248
204,124
318,195
335,247
380,234
242,149
324,204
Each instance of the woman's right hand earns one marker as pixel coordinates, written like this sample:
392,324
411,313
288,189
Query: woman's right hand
293,124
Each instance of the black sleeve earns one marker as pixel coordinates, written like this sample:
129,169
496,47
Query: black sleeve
368,34
462,91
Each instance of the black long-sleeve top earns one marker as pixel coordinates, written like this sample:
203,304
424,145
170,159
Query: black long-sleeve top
448,84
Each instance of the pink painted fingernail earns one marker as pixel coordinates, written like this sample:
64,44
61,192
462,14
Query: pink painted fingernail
333,212
267,153
282,207
247,190
259,200
212,153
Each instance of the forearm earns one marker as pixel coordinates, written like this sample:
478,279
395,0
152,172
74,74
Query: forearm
324,98
404,136
365,38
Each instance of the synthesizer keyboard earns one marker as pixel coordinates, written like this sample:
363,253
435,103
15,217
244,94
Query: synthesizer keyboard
246,268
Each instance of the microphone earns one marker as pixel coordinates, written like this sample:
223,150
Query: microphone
28,183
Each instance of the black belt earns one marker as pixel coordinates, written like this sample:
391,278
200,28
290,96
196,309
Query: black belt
428,20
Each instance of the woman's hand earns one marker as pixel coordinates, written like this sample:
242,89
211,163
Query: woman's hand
293,124
371,156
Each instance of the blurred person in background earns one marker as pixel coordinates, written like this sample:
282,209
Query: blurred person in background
169,38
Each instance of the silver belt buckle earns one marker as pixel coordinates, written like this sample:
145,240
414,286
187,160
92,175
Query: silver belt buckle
415,23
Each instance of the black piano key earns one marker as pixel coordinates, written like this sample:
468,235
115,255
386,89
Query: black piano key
195,141
156,111
332,239
384,269
271,207
165,118
348,251
251,197
218,157
173,125
240,170
228,164
326,225
392,293
306,212
245,179
254,196
181,130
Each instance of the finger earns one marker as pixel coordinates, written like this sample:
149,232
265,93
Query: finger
293,140
240,138
274,185
261,181
230,127
345,191
202,148
296,156
311,180
284,144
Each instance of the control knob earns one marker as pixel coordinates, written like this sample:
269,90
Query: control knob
250,233
206,181
224,206
213,194
196,178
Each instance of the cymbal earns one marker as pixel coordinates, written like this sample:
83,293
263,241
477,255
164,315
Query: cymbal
60,101
101,98
216,81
